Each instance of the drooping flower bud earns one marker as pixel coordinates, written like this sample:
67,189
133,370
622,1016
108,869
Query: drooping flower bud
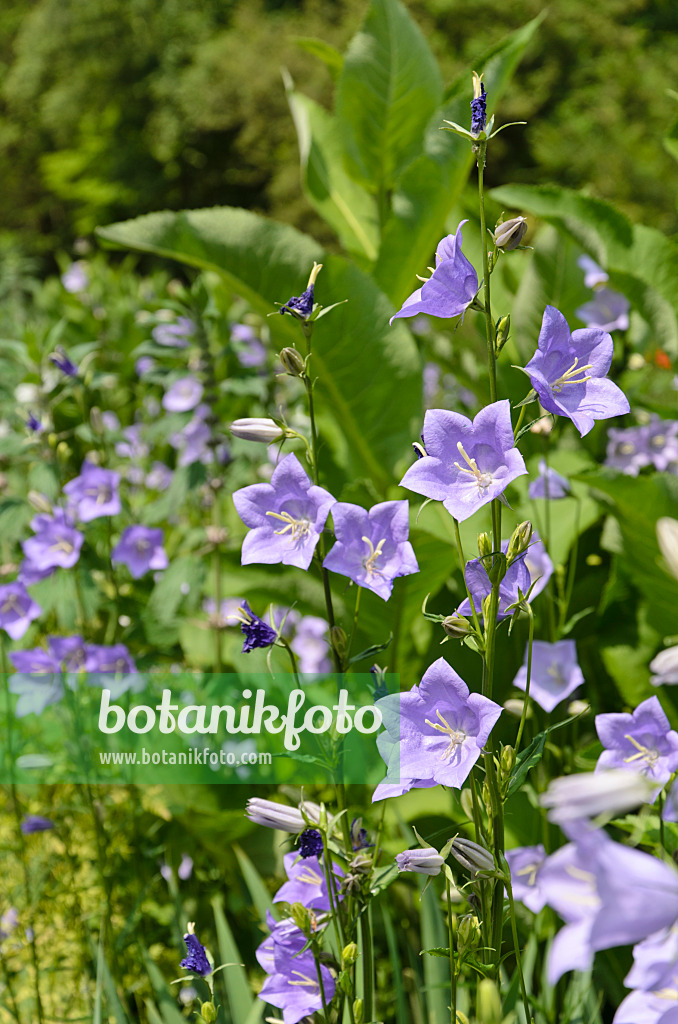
424,861
457,627
255,428
488,1006
509,234
292,361
472,856
503,329
274,815
519,542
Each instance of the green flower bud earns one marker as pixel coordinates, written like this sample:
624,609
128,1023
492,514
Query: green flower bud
292,361
488,1008
484,545
39,502
472,856
338,640
358,1011
503,328
466,801
507,763
510,234
457,627
301,917
468,933
519,541
349,955
208,1012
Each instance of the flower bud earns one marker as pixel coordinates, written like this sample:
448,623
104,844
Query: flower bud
216,534
510,234
667,538
259,429
466,801
503,329
358,1011
457,627
208,1012
301,916
484,545
338,640
349,955
274,815
579,707
488,1006
424,861
472,856
514,706
507,761
519,541
292,361
468,933
39,503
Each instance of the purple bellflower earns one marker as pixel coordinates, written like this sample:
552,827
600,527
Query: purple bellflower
17,609
608,310
286,516
478,108
568,372
306,882
532,569
643,741
434,733
249,349
36,823
71,653
292,984
257,633
174,335
659,1006
196,958
594,274
310,843
63,363
467,464
75,278
524,863
450,289
549,484
182,395
555,673
310,645
94,493
372,547
665,667
37,682
140,549
422,861
652,444
56,543
655,960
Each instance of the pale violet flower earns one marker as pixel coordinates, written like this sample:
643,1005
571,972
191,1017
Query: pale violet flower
524,863
424,861
555,673
608,310
643,741
451,287
665,668
574,798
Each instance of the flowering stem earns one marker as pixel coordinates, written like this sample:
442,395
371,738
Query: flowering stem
356,612
453,950
368,965
320,986
519,424
530,642
516,944
489,326
662,836
293,660
462,565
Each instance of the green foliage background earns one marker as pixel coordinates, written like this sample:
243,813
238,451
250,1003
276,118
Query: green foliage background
111,108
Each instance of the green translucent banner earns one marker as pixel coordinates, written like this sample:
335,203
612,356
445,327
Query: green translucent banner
191,728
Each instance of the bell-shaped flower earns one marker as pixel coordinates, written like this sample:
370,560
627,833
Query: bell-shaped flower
643,741
372,547
467,463
568,372
549,484
306,882
451,287
608,310
555,673
435,732
286,516
525,863
17,609
94,493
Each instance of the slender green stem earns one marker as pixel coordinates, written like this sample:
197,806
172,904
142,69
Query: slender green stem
526,702
453,950
10,991
356,612
521,417
489,325
321,987
216,563
368,965
662,835
516,943
293,660
377,842
462,566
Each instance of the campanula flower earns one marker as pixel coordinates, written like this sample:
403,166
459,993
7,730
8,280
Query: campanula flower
140,549
310,843
301,306
311,646
568,372
37,682
182,395
607,310
56,543
174,335
196,958
451,287
306,882
533,569
549,484
94,493
423,861
75,278
280,816
17,609
524,863
63,363
594,275
372,547
655,960
36,823
434,733
257,633
555,673
467,463
643,741
292,984
286,516
249,349
478,106
576,798
665,667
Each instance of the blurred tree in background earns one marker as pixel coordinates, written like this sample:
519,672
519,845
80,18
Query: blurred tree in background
112,108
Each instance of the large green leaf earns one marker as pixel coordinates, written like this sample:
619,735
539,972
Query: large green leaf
432,184
645,259
347,207
388,88
369,374
240,996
